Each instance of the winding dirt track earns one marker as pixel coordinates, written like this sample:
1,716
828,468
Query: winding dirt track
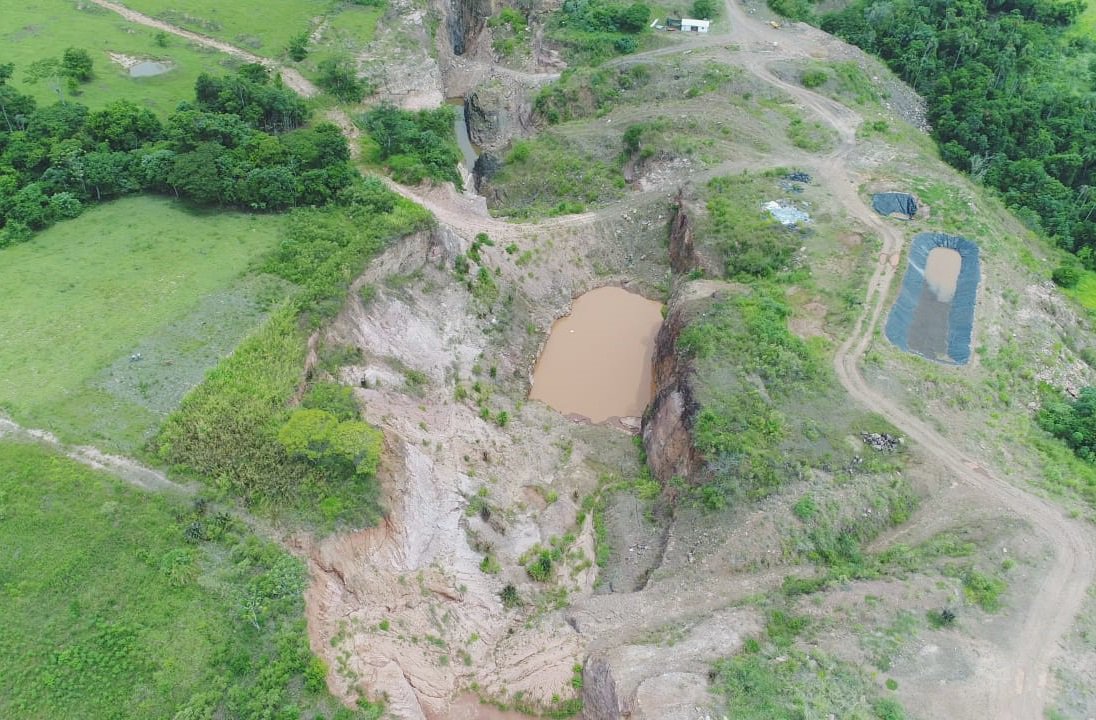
1021,690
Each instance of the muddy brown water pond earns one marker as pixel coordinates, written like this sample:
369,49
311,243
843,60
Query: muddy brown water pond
597,361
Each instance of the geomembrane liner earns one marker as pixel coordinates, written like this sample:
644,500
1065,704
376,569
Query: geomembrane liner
894,203
920,322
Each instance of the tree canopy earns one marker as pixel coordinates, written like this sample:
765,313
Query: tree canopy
240,143
1001,78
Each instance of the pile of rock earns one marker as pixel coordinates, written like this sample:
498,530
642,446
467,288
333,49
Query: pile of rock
883,442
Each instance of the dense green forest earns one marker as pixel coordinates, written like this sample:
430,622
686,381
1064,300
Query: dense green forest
239,143
1011,96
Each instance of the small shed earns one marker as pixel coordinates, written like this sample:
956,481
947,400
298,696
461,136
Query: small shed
690,25
673,23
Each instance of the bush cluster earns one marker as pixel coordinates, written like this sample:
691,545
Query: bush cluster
239,144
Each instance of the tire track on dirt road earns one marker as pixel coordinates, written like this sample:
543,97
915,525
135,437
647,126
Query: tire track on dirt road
1021,690
292,78
123,468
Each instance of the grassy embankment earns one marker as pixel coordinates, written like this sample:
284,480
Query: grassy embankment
120,604
266,32
140,275
41,29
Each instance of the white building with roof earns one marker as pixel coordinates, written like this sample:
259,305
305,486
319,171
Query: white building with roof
690,25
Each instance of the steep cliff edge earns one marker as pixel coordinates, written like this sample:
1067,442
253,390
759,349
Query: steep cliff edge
465,20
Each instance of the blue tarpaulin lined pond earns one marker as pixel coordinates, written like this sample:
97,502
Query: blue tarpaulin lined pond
934,313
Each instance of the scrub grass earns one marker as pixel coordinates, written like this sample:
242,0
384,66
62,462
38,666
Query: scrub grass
1085,290
39,29
120,604
136,275
266,32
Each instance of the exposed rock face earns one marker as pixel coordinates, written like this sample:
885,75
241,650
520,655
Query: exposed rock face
496,112
683,257
667,424
466,19
660,682
487,164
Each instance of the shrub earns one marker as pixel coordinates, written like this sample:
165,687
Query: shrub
704,9
336,399
540,568
805,508
939,619
510,598
813,78
1066,275
339,76
983,590
415,145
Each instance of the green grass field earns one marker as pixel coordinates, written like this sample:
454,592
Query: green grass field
1085,292
266,32
39,29
119,604
1086,22
139,275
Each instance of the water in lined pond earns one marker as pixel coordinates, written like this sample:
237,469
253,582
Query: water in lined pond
597,361
942,272
149,68
928,333
467,149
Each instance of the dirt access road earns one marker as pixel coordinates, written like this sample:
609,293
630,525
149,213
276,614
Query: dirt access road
123,468
1020,691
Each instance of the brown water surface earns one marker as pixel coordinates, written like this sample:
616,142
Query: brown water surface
942,272
597,361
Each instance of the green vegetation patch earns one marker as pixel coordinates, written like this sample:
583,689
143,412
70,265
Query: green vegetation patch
511,35
592,31
751,242
39,29
414,145
552,175
748,367
773,680
127,277
266,33
237,432
588,92
119,604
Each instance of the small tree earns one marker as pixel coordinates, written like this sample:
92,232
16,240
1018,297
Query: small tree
1066,275
704,9
76,64
339,76
298,47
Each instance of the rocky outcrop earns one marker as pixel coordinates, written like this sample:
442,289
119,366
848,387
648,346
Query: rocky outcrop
646,681
667,425
487,113
466,20
487,165
683,257
497,111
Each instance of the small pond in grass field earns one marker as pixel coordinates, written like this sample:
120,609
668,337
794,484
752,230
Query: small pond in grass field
149,68
597,361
